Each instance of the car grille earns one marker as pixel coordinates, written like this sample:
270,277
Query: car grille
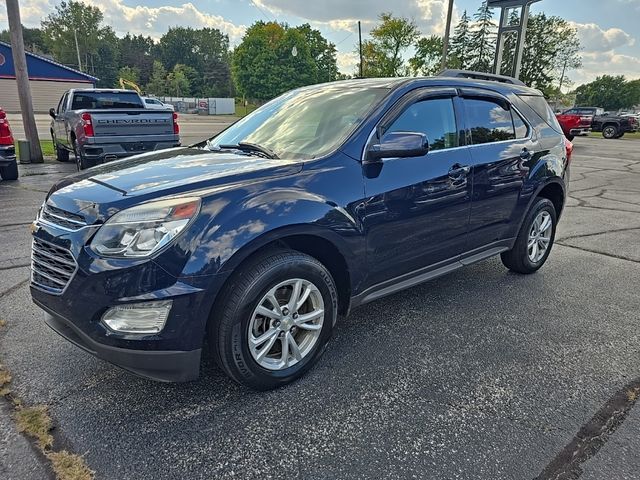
52,267
62,218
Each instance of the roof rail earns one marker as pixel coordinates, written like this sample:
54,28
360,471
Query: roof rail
481,76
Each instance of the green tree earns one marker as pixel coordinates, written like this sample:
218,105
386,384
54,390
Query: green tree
70,20
428,56
483,40
459,52
34,39
322,52
383,54
128,73
551,48
106,63
137,51
178,82
609,92
158,80
271,59
508,64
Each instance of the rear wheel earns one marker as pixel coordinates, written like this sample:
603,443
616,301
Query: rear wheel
81,161
10,172
570,137
535,240
276,318
62,154
610,131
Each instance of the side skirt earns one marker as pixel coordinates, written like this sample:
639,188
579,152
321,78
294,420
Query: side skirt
425,274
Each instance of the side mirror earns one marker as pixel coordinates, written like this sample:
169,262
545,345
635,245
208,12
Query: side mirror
52,112
399,145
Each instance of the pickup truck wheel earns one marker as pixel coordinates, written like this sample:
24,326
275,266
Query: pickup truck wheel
535,240
620,135
277,316
81,162
62,155
570,137
10,172
610,131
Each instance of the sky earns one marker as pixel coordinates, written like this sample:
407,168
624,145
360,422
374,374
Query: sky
609,35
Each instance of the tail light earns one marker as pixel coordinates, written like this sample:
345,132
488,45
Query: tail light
6,137
87,125
176,127
569,148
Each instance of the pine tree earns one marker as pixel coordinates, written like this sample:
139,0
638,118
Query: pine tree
460,44
483,39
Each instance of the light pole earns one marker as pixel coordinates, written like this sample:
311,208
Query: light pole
447,33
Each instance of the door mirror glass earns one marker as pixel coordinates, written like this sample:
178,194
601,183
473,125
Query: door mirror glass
399,145
52,112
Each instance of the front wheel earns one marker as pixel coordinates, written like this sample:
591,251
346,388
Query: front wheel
276,318
535,240
62,155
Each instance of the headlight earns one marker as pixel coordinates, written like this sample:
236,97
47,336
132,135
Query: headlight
143,230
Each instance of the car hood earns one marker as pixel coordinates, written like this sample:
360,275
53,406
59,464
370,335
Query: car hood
168,172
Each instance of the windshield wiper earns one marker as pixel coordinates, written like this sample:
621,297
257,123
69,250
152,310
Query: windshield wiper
252,147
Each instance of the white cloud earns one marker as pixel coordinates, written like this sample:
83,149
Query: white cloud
596,64
153,21
347,62
593,38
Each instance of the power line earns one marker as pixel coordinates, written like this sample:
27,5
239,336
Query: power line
345,38
262,11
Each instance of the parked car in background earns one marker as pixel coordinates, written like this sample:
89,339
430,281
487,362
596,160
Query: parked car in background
155,104
8,163
574,123
99,125
325,198
614,126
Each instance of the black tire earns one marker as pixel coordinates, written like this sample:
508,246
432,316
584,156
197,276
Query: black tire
10,172
517,259
570,137
610,131
228,329
82,162
620,135
62,154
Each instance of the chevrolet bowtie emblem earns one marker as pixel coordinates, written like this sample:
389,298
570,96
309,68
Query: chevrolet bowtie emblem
34,227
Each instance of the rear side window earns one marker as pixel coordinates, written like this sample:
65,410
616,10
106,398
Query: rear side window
433,117
105,100
488,121
538,104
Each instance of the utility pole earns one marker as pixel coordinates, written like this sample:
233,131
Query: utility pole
447,33
22,79
360,48
75,35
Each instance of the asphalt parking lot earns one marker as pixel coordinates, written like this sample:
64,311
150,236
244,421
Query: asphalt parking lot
481,374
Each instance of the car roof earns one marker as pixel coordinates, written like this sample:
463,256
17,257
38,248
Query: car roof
438,81
104,90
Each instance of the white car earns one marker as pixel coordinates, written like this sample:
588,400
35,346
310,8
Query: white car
156,104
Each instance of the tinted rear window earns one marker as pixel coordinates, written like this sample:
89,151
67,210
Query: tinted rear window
488,121
539,105
105,100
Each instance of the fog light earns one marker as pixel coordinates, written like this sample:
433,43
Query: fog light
148,317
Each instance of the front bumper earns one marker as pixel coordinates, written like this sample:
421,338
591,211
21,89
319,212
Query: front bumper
164,366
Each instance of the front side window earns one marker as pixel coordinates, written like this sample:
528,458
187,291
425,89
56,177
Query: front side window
488,121
433,117
62,106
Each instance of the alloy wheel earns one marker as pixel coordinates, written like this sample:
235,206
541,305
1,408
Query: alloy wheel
286,324
540,236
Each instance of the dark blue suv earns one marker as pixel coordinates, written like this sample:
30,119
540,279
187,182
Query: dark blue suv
325,198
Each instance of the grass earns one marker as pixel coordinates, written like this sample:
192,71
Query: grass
36,423
46,145
242,110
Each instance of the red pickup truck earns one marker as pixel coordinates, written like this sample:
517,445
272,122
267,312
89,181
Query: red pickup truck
8,164
577,121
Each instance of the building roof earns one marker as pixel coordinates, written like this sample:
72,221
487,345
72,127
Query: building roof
41,68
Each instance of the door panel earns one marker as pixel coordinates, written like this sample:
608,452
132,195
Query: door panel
501,151
417,209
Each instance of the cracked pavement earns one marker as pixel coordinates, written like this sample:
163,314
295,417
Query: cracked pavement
478,374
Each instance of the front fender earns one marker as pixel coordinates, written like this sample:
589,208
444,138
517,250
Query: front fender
246,224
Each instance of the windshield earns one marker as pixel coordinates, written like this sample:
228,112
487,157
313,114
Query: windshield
105,100
304,123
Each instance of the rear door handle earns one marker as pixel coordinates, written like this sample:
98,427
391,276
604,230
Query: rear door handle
458,171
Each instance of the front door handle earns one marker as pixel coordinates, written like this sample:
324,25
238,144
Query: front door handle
458,171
